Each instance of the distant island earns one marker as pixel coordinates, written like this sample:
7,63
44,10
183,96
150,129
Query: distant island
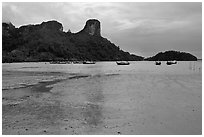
48,42
172,55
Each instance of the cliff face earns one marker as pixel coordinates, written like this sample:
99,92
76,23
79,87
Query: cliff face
92,27
52,25
47,41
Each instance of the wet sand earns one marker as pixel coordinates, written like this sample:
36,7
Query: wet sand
124,102
105,104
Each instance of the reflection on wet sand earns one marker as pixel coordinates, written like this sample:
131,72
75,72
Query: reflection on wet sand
93,113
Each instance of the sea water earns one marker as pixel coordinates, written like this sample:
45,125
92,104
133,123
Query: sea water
21,74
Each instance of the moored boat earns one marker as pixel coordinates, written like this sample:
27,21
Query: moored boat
171,62
122,62
174,62
89,62
157,63
168,62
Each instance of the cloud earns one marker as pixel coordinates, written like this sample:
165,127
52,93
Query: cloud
135,27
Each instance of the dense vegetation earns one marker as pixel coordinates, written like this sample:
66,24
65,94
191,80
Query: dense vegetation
172,55
47,41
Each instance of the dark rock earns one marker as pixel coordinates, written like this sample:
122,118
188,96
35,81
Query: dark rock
172,55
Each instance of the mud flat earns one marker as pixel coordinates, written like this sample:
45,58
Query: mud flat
124,101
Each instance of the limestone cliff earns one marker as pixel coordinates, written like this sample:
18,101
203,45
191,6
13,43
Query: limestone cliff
92,27
47,41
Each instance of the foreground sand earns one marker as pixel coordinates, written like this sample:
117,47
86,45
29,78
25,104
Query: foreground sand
143,103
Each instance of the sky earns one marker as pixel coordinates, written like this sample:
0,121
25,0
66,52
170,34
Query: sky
141,28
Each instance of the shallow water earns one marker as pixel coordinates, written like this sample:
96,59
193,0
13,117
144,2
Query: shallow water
106,67
16,74
103,98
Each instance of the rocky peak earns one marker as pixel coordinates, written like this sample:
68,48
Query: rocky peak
92,27
7,27
52,25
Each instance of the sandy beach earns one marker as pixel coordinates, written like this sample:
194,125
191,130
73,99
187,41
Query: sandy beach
139,99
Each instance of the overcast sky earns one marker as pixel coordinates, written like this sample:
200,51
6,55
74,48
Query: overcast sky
141,28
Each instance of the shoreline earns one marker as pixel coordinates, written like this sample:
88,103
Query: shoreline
21,79
101,61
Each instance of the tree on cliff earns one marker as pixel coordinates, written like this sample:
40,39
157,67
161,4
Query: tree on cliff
172,55
47,41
